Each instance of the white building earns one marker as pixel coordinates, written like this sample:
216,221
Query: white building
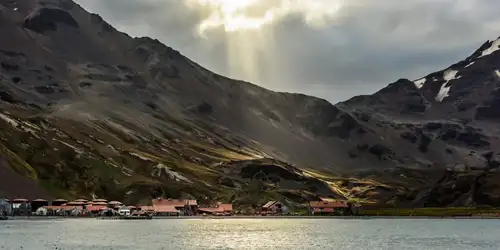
124,211
41,211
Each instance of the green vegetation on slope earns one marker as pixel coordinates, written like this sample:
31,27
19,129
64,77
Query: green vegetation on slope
431,212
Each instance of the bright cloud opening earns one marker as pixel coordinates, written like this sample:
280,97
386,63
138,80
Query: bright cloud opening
238,15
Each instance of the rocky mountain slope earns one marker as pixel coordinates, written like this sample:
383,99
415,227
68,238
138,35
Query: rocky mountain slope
90,111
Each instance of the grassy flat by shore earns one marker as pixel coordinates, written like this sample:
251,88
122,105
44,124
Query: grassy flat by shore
433,212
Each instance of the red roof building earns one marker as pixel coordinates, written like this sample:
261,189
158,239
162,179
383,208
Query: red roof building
328,207
147,208
175,202
272,207
328,204
96,209
165,209
171,206
218,208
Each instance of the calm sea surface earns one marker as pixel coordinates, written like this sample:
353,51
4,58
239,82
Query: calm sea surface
352,234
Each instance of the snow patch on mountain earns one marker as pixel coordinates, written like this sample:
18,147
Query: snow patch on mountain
493,48
420,83
470,64
448,76
497,72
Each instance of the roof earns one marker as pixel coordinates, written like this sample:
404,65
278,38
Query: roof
100,200
19,200
114,203
328,204
269,204
96,208
147,208
81,200
219,209
60,200
211,209
165,209
174,202
40,200
53,207
227,207
69,208
76,203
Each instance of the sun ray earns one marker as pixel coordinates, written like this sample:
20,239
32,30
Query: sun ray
247,27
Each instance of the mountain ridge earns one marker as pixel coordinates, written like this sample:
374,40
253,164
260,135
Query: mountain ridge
95,112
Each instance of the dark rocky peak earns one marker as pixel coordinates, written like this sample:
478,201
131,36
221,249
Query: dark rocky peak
161,60
401,85
157,46
400,97
324,119
97,19
487,48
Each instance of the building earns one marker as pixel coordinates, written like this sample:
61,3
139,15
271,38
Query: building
21,207
42,211
184,207
329,208
147,209
115,204
75,211
96,210
124,211
166,210
38,203
55,210
273,207
5,207
217,209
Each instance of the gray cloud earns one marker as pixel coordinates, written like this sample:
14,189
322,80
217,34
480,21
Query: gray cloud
369,44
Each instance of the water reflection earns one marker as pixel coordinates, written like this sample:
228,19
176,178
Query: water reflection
251,234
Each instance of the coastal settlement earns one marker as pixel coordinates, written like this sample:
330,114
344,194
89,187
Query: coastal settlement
161,208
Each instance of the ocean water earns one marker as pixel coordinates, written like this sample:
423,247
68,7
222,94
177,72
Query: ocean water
370,234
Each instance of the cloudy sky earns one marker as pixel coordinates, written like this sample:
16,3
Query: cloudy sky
333,49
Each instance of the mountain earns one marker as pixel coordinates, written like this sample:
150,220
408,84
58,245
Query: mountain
90,111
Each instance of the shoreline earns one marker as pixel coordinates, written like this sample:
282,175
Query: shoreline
56,218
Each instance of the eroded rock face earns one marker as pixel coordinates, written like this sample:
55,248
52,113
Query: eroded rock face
48,19
469,136
7,97
490,108
205,108
380,150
